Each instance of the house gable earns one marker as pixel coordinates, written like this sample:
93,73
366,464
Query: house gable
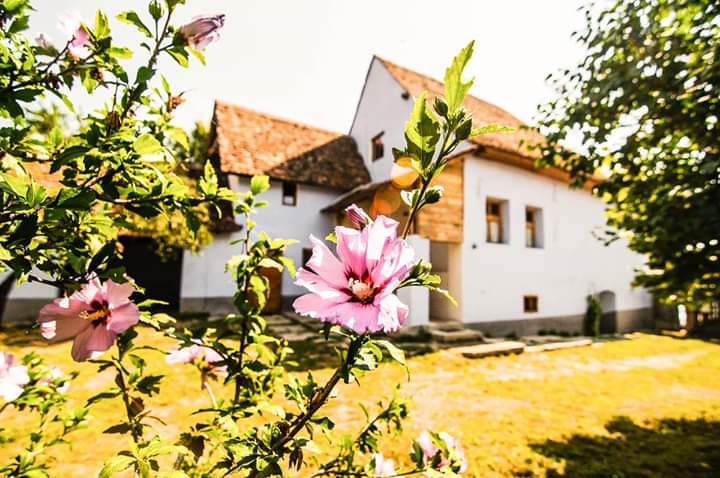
383,109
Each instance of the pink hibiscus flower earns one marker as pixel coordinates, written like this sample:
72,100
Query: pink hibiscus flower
80,39
383,467
13,378
356,291
200,355
202,30
453,445
93,316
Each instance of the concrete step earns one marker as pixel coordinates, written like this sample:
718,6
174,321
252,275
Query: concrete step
456,335
565,344
446,325
488,350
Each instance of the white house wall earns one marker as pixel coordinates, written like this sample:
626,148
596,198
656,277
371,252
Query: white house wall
381,108
571,265
204,274
25,300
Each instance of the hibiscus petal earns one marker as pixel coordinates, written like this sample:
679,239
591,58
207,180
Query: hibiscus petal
393,313
91,342
10,391
123,317
379,233
356,316
326,265
18,375
183,355
316,284
397,260
60,320
117,294
312,305
91,291
351,245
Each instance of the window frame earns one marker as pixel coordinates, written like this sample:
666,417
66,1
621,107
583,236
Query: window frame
495,218
289,199
531,304
531,225
376,142
536,225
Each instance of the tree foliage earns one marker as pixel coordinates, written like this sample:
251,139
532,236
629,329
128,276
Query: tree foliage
644,107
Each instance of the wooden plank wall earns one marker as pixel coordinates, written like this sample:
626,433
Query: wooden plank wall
443,221
440,222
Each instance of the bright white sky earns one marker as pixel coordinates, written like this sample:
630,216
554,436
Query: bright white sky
307,60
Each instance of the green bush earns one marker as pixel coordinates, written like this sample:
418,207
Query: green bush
593,313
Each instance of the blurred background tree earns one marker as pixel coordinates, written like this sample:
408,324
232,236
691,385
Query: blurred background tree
169,231
641,111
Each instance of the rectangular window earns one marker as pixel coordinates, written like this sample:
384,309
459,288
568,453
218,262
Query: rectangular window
533,227
495,212
377,147
530,303
289,193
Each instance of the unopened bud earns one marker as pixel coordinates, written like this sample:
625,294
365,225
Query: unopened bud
357,216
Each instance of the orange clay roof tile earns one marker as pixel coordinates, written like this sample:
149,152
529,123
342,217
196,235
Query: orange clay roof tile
251,143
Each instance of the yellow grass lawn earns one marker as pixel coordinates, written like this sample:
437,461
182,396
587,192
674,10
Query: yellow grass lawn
648,406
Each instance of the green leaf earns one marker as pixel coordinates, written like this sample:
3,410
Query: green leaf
11,5
120,53
132,18
67,155
178,135
455,88
491,128
397,354
14,185
144,74
101,29
116,464
80,199
422,132
259,184
180,55
147,145
433,194
410,198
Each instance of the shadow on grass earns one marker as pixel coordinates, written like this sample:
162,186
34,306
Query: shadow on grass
21,336
668,448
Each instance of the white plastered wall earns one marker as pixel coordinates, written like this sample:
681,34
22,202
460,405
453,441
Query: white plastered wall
571,264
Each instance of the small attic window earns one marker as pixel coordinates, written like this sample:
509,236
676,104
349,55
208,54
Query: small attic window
377,146
289,193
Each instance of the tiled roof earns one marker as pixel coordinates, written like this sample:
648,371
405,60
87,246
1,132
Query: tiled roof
483,113
250,143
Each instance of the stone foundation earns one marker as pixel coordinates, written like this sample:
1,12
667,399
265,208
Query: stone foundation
623,321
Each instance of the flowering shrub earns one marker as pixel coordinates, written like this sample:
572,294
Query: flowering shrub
119,161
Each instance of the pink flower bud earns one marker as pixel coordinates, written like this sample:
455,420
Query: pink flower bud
202,30
357,216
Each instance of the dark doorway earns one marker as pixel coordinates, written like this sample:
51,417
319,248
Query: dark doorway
160,276
608,321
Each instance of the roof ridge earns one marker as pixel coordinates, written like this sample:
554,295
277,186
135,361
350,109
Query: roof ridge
277,118
441,83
